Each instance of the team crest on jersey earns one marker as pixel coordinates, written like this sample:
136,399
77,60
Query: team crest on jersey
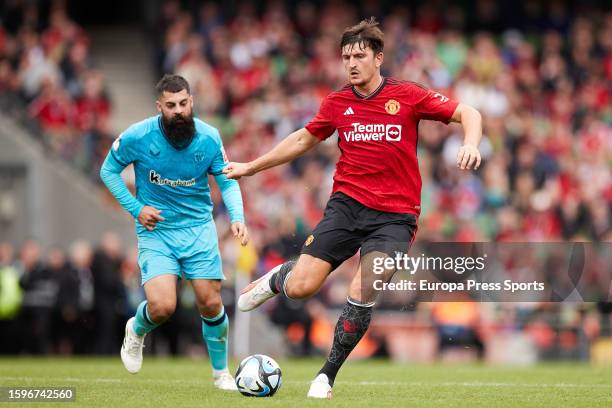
198,157
392,106
154,150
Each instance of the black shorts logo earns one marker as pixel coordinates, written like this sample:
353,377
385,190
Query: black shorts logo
309,240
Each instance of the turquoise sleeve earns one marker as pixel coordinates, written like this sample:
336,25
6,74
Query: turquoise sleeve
230,191
110,173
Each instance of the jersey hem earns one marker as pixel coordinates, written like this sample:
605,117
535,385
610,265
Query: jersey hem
350,194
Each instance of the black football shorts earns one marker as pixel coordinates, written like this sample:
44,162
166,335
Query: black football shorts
348,225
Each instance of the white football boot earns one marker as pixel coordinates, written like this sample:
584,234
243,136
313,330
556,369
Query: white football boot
320,388
224,381
257,292
131,350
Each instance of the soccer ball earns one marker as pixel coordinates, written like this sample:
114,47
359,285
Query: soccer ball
258,376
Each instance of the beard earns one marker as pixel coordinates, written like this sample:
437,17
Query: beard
180,129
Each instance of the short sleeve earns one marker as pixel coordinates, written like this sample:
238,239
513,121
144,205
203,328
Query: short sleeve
322,126
432,105
125,148
219,157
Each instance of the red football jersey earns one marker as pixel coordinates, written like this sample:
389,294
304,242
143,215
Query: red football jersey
377,136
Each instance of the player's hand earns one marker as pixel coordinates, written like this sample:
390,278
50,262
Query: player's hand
241,232
149,217
468,157
236,170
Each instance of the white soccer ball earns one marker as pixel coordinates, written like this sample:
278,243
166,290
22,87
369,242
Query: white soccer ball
258,376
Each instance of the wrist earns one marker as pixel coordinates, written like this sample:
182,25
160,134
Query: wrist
251,168
136,211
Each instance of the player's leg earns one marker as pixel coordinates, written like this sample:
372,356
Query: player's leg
159,270
295,279
201,264
352,324
159,305
215,329
334,240
357,312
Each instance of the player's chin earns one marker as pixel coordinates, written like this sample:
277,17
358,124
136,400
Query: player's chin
356,80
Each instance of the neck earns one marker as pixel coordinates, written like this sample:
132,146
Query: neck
371,86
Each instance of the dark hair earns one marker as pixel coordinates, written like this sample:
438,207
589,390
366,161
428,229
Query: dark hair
171,83
365,33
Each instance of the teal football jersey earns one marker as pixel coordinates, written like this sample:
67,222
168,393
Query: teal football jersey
172,180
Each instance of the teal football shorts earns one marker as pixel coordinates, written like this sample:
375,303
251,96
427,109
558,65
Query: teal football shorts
190,253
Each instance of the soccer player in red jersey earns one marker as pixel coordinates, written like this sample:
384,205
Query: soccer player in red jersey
377,186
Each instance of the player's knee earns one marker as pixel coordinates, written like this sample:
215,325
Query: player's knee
161,310
211,306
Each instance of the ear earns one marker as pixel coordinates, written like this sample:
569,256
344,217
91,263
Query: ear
158,105
191,101
379,59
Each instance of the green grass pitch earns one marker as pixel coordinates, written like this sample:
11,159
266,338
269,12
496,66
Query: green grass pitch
103,382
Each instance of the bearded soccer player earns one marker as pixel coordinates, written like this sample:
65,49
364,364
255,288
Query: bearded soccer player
173,154
377,186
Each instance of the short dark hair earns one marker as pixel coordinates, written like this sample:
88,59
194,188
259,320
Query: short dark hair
366,33
171,83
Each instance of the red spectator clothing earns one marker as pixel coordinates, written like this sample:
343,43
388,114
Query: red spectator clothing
53,114
88,110
377,137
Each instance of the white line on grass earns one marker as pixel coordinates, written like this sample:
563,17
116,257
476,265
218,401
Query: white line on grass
364,383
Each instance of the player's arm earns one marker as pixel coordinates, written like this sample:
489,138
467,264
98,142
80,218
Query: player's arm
230,191
294,145
469,156
232,198
110,173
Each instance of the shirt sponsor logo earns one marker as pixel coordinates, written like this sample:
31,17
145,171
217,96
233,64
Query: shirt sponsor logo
392,106
156,178
442,97
375,132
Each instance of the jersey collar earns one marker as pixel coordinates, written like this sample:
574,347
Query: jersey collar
374,93
163,131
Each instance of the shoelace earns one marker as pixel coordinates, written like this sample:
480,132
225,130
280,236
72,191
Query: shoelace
135,344
260,291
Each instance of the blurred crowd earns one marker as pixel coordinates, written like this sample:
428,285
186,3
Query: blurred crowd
77,300
49,83
541,74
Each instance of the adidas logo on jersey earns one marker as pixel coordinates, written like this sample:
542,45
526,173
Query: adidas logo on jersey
375,132
349,111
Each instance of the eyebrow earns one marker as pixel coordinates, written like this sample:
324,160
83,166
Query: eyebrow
349,54
172,103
